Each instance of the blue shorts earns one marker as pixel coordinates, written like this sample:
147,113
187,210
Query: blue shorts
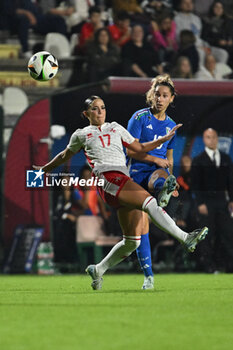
143,177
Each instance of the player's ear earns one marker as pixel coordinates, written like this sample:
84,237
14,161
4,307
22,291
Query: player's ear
171,104
172,99
85,114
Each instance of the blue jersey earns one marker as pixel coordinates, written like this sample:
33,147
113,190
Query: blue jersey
145,127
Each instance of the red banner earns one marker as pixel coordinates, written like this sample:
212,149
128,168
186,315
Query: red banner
21,205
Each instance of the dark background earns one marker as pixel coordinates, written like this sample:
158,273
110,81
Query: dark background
195,112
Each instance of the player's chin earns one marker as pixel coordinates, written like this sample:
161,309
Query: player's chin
101,119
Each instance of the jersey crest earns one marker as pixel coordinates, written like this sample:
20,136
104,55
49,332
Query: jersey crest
168,130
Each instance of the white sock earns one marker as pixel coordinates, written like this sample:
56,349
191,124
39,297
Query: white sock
162,220
119,252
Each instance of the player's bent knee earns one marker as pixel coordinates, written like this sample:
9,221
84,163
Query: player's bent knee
149,200
132,243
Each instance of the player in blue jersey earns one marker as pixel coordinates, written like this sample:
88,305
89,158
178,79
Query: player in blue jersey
153,170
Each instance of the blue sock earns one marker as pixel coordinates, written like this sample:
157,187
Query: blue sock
158,184
144,255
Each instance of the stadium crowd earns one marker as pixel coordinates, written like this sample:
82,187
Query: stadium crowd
186,38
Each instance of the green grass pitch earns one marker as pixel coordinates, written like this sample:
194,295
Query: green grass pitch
185,311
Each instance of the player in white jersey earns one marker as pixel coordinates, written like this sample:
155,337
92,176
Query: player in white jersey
96,141
103,145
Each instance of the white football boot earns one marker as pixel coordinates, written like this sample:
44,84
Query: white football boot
96,280
148,282
165,194
194,238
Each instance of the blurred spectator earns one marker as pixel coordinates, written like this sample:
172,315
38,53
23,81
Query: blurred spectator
133,8
102,56
182,69
139,58
80,14
218,29
22,15
212,186
129,6
212,70
164,37
90,27
228,5
155,8
188,49
59,8
201,8
75,12
184,212
121,31
186,19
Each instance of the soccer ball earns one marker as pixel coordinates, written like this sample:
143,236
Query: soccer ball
42,66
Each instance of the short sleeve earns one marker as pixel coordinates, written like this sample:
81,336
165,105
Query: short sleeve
172,142
75,143
135,126
126,137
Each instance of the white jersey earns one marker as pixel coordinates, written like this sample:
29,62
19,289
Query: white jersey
103,146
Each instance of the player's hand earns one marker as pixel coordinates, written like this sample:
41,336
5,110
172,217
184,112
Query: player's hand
162,163
176,128
172,132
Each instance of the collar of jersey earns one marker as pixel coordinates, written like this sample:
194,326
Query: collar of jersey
97,127
152,115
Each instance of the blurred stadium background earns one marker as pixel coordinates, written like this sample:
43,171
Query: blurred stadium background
41,234
27,140
36,121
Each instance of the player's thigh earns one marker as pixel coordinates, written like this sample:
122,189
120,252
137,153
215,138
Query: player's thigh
131,221
155,175
132,195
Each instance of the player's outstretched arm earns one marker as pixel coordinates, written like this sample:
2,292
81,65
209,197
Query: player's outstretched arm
145,157
149,146
59,159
